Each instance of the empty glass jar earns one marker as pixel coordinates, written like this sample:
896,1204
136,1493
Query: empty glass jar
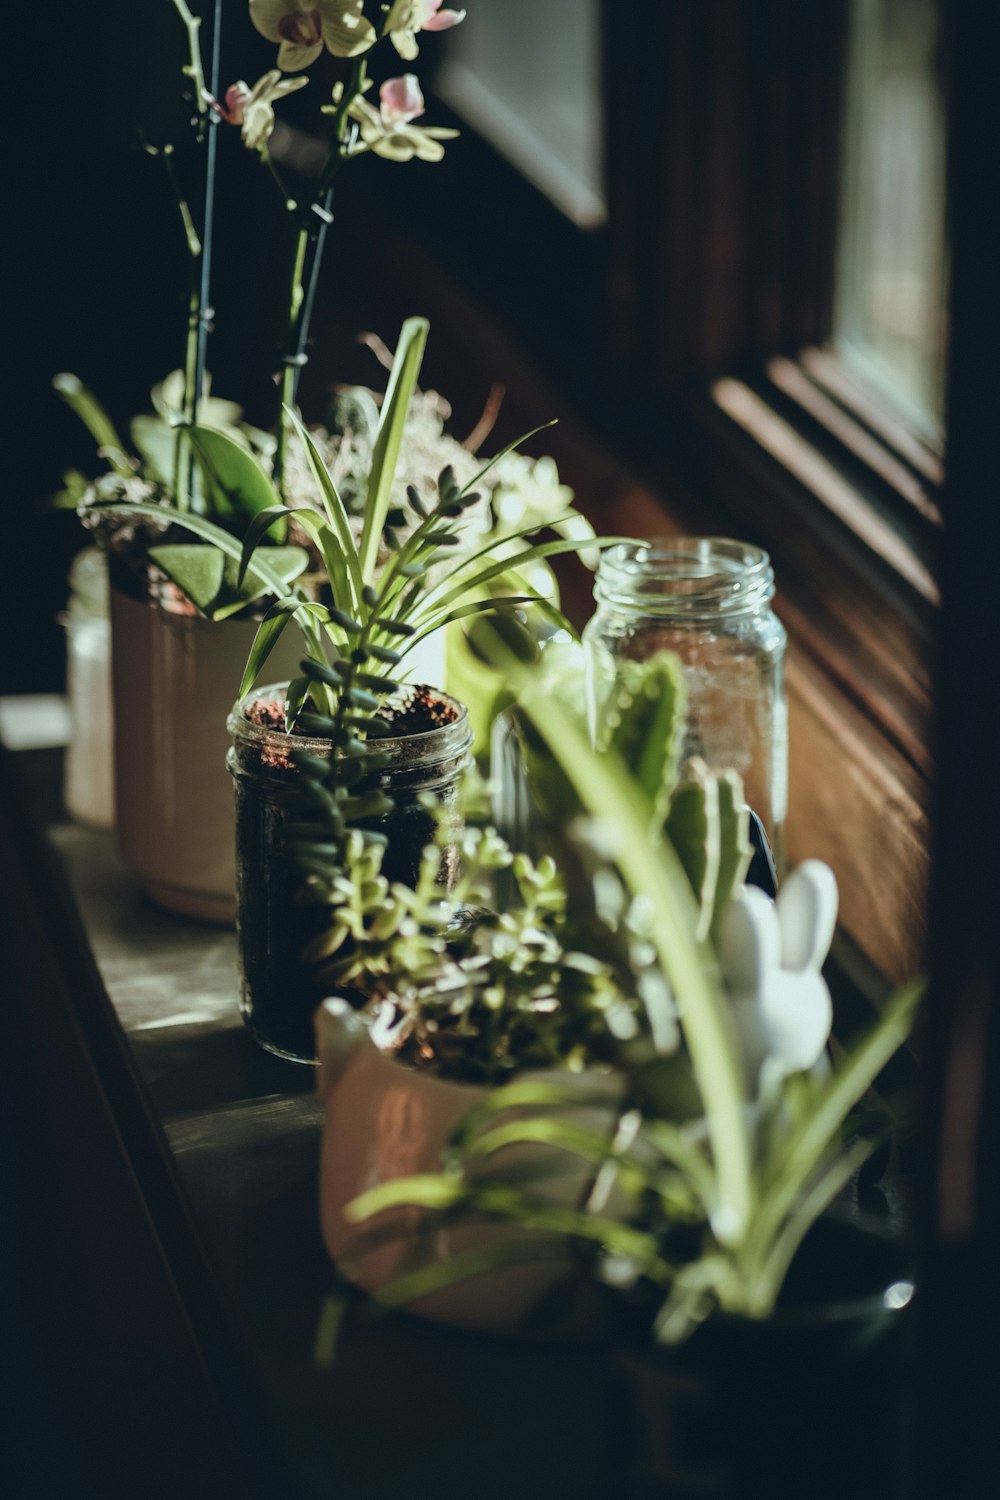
709,600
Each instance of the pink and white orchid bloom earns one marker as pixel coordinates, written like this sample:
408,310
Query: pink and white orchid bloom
400,99
302,28
407,17
388,130
252,108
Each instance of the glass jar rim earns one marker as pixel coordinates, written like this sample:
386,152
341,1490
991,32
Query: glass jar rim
689,576
421,749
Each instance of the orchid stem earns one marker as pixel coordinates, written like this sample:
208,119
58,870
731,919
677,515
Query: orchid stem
302,298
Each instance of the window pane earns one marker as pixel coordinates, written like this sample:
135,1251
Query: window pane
890,320
527,77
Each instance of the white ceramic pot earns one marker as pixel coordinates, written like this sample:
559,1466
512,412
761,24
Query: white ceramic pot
175,677
383,1120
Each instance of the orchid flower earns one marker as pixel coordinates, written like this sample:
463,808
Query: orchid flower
304,27
407,17
252,108
388,130
770,953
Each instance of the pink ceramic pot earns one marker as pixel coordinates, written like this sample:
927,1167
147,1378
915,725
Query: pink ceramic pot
384,1120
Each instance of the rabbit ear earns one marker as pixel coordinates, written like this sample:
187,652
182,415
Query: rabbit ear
750,941
807,916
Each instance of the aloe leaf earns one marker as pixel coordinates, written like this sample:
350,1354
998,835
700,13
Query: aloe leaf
644,722
237,486
93,416
692,826
385,455
334,507
735,849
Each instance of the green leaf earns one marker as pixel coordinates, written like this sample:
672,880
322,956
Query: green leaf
487,466
94,418
797,1154
735,849
156,441
236,485
334,507
424,1190
692,826
209,578
469,585
196,570
256,530
650,868
644,721
207,530
385,456
264,643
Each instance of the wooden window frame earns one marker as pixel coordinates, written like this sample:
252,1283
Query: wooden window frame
684,348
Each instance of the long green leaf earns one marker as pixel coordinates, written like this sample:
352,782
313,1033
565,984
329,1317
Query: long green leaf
264,642
478,607
385,455
467,585
650,868
94,418
208,531
334,507
798,1154
488,465
442,1274
257,529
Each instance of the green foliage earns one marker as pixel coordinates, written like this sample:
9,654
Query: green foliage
715,1184
474,992
211,580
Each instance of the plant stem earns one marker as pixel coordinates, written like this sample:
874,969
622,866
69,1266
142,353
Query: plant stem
208,222
301,300
200,250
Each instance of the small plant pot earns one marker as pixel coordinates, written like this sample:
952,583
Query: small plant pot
279,992
810,1401
173,679
383,1120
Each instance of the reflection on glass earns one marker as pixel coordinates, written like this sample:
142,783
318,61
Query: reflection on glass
890,322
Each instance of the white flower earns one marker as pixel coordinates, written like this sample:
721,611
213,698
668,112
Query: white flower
304,27
252,108
407,17
771,953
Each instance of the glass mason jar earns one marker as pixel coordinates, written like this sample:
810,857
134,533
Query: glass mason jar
280,992
709,600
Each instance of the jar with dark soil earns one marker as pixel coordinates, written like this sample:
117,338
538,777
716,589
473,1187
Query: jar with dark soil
279,991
